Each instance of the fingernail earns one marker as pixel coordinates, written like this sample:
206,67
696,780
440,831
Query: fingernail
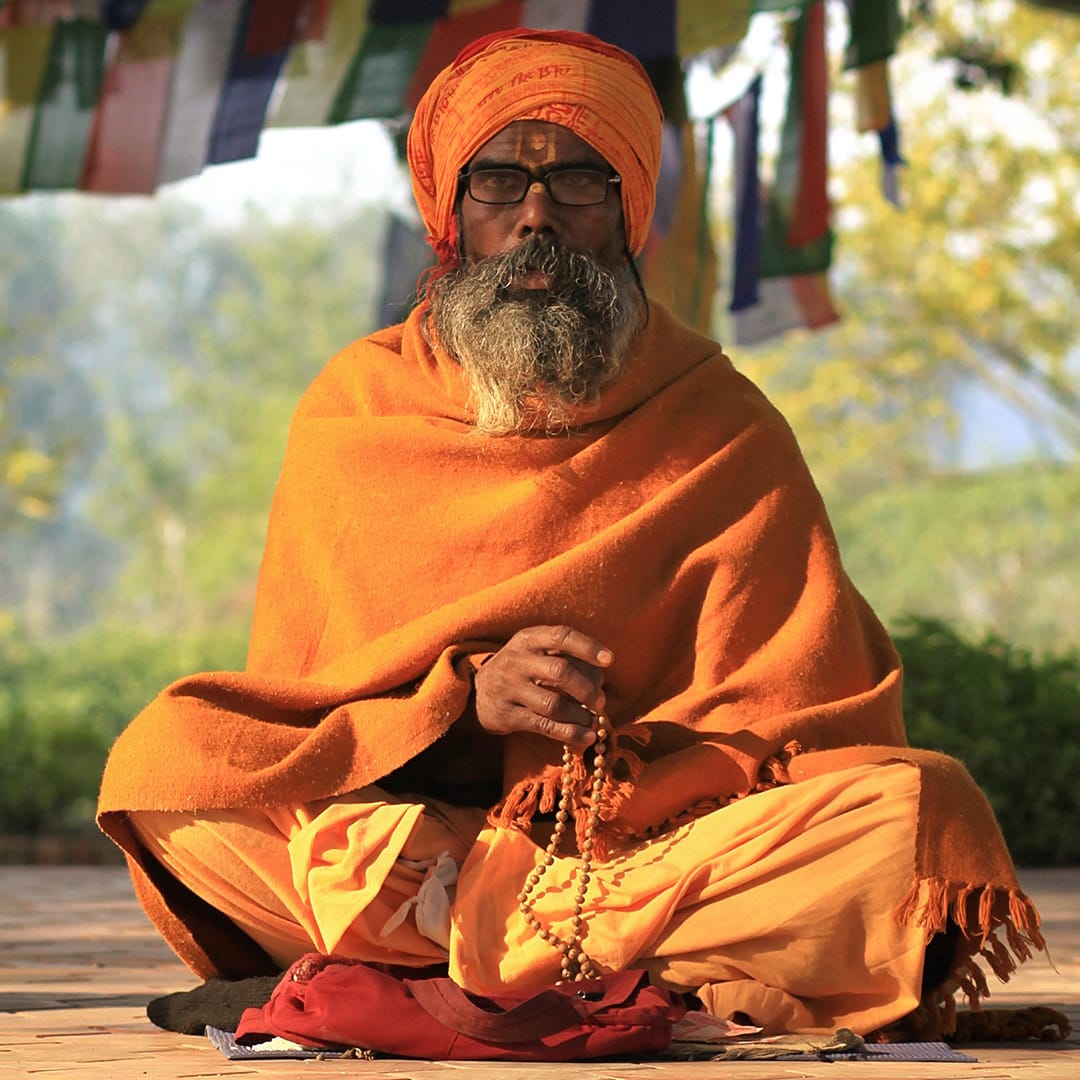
605,656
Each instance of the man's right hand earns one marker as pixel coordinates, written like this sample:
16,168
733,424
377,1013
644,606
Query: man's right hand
545,679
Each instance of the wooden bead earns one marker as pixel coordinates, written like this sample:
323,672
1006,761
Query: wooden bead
575,964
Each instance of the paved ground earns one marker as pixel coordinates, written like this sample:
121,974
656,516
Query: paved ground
79,961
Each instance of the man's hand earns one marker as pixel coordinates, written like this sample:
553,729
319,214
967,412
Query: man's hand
545,679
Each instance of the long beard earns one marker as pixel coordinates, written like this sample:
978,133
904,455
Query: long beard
532,357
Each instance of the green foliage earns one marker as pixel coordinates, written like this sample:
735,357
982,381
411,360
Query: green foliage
62,705
1012,719
985,551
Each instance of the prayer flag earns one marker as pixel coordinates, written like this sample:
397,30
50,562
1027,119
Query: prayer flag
795,248
555,14
125,146
798,206
705,24
69,94
468,7
891,161
24,55
407,11
872,96
743,116
259,51
450,36
679,263
646,30
378,79
406,254
873,29
121,14
800,301
198,75
318,66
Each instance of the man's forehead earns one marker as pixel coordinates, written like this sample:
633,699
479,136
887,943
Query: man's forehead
537,143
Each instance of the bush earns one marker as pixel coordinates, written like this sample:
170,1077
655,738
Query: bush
1012,719
63,704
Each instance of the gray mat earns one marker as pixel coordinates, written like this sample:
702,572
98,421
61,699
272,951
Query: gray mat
915,1051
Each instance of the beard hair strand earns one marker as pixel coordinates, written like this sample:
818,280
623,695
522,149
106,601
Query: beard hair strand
532,358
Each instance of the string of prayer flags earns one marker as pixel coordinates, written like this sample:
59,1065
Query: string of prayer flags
122,96
785,241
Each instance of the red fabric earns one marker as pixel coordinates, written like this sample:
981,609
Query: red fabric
810,218
331,1002
450,36
124,151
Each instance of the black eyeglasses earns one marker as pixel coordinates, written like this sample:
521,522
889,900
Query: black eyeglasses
504,185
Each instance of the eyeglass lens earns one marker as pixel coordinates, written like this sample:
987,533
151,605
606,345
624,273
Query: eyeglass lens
509,184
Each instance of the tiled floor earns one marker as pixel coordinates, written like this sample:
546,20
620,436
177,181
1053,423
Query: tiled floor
79,961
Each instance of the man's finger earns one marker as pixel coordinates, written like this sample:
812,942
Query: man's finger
573,733
566,641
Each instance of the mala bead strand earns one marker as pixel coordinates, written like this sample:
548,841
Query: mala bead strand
576,964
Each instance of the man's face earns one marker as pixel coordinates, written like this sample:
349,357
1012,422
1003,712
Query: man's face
541,312
540,147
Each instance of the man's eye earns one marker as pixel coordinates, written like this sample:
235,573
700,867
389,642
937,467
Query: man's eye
497,180
578,177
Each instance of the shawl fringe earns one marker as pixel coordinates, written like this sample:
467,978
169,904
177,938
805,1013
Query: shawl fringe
931,903
541,794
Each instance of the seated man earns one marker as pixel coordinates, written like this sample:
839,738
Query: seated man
554,667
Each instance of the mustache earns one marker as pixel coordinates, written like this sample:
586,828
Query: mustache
569,273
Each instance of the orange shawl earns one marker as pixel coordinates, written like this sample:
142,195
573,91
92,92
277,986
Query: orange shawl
675,522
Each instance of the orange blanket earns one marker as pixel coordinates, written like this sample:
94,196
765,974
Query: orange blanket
676,523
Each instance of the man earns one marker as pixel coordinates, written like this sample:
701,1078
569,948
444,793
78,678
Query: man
554,666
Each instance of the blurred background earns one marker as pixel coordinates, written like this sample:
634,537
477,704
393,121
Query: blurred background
158,324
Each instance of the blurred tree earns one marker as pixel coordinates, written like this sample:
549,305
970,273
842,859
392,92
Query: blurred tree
210,338
49,431
991,551
975,282
974,285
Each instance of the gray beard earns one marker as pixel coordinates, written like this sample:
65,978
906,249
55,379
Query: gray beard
533,357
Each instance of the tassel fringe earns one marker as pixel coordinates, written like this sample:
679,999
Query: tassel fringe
931,903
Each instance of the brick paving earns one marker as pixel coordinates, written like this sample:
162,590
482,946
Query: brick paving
79,962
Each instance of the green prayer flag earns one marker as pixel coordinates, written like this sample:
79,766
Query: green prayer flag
69,94
380,74
873,30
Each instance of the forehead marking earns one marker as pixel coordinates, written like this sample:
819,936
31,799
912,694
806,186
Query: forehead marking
537,145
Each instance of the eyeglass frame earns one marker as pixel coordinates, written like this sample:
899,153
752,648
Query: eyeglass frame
535,178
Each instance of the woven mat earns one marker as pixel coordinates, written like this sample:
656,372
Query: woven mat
281,1048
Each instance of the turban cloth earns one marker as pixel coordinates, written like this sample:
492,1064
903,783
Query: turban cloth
601,93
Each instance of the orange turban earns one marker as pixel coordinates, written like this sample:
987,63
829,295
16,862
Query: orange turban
601,93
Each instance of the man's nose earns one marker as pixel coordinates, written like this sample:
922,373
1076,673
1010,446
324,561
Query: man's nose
537,212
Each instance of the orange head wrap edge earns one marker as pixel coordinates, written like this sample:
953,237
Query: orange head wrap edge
597,90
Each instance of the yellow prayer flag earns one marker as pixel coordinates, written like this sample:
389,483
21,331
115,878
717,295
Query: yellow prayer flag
706,24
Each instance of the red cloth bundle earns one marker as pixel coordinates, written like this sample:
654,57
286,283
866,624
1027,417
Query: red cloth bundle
329,1002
